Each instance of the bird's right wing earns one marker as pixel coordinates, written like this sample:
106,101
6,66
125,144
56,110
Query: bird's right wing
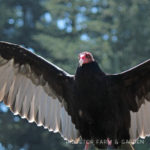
134,88
36,90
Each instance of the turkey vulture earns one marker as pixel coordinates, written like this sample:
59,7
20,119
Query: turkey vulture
90,104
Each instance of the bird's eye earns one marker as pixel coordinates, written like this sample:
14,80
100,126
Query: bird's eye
87,56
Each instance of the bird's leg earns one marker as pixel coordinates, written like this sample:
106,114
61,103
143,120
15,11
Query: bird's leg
86,145
109,143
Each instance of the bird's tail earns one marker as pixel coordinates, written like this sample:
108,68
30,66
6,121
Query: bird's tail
126,147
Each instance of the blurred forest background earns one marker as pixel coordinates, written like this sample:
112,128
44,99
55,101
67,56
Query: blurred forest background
117,32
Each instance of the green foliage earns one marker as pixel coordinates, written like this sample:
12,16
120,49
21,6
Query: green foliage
132,31
117,32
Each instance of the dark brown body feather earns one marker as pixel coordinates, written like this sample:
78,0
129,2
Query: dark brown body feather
100,107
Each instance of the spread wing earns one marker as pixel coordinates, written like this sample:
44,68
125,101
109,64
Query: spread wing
36,90
135,89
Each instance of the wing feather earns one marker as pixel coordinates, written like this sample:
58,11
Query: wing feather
135,90
35,94
140,122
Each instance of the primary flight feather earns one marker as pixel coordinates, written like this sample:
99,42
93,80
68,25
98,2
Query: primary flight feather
90,104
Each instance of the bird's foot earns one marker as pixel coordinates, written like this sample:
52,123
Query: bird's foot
86,145
109,143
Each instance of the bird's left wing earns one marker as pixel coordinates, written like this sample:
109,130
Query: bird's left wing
134,87
36,89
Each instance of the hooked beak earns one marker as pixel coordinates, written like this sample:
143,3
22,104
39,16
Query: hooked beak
81,59
80,62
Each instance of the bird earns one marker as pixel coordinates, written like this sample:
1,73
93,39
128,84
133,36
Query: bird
91,105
